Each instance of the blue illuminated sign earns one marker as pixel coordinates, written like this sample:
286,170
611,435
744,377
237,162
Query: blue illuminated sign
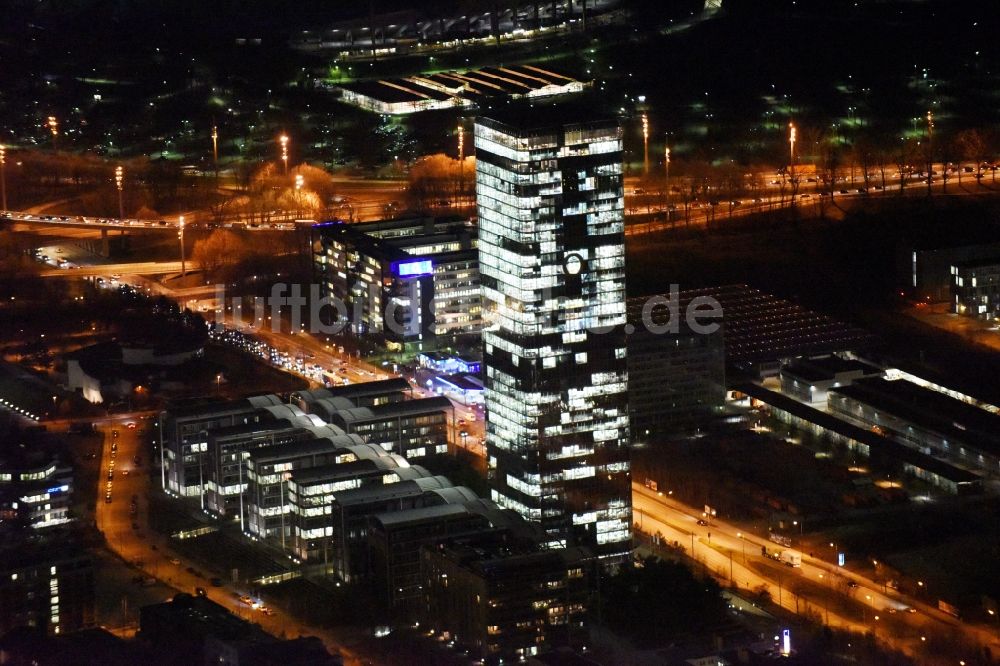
414,268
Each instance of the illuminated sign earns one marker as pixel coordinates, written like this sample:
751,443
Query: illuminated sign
414,268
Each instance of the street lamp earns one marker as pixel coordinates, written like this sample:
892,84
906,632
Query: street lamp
930,152
3,178
283,140
215,149
119,180
645,144
54,129
666,175
792,135
180,235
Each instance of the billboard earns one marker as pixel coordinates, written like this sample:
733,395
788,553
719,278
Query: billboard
414,268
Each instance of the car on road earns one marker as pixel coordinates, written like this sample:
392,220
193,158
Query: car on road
130,425
107,498
174,560
215,581
851,584
246,599
702,522
200,592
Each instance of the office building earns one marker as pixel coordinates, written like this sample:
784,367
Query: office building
923,419
762,332
676,381
205,445
182,440
265,505
503,598
395,540
886,453
401,282
224,466
36,489
312,493
976,288
45,585
365,394
926,272
196,630
413,428
550,204
810,379
351,509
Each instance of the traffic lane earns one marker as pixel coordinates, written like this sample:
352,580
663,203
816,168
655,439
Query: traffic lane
782,584
725,535
867,592
153,553
721,564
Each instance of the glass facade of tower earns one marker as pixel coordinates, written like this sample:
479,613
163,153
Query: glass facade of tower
552,264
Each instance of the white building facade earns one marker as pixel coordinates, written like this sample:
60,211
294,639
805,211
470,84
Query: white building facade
552,264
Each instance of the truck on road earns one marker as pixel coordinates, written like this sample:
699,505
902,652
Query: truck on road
790,558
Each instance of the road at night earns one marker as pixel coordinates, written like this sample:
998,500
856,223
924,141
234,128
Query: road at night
840,597
129,536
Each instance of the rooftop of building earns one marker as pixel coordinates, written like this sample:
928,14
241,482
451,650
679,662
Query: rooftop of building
991,264
417,226
286,451
462,238
759,327
355,469
392,410
878,444
494,552
389,492
956,420
25,549
393,91
16,457
360,390
248,431
198,616
464,382
371,246
194,408
432,514
526,119
508,80
826,368
88,647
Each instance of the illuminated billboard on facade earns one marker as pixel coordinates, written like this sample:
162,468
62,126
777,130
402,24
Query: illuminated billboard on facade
413,268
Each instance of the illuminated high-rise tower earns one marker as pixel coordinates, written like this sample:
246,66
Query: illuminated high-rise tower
552,264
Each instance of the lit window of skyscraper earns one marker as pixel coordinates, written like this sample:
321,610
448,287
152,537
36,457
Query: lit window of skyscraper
552,263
